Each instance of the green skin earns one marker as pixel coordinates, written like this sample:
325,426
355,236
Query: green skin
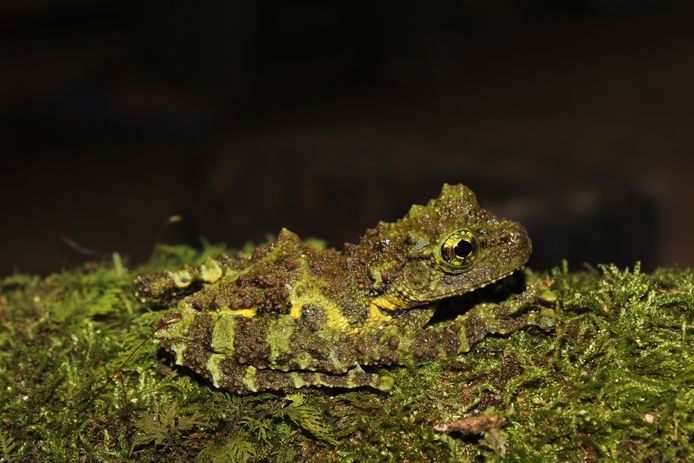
292,316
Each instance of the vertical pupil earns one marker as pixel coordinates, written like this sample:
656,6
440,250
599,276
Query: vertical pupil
463,248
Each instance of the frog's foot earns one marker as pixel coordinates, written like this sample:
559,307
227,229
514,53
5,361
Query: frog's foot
161,287
536,295
527,309
247,378
485,319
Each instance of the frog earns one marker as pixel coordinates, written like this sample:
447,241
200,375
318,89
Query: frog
290,315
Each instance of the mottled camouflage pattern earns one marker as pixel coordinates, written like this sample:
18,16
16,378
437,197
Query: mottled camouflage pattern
292,316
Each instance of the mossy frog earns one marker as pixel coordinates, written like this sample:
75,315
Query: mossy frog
290,315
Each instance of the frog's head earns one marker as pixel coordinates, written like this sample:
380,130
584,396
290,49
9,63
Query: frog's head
451,246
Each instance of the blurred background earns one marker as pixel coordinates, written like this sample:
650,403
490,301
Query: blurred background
574,117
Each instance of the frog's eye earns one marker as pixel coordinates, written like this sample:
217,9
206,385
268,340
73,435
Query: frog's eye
458,251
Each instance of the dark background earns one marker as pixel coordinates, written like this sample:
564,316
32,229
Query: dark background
574,117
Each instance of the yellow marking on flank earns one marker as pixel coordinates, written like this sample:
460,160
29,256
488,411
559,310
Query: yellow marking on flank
335,318
376,316
307,292
389,303
243,312
295,311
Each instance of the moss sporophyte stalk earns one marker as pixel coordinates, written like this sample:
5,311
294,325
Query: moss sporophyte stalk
410,348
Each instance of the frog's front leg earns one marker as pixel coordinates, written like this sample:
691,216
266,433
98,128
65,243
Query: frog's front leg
448,339
503,318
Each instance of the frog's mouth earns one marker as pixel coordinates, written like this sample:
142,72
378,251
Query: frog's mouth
472,291
494,291
455,292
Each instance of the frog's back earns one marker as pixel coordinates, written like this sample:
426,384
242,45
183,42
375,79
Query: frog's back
275,279
265,283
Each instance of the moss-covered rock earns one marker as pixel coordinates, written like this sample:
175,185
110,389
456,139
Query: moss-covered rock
81,381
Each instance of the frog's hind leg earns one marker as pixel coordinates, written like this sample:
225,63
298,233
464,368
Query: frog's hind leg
160,287
246,378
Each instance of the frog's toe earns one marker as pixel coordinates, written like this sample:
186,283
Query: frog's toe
546,319
266,379
385,383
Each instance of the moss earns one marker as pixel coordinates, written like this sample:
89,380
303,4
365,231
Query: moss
614,381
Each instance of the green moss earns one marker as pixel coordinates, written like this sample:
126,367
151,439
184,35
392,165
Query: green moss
614,381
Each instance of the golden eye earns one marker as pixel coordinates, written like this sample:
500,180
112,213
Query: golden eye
458,251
